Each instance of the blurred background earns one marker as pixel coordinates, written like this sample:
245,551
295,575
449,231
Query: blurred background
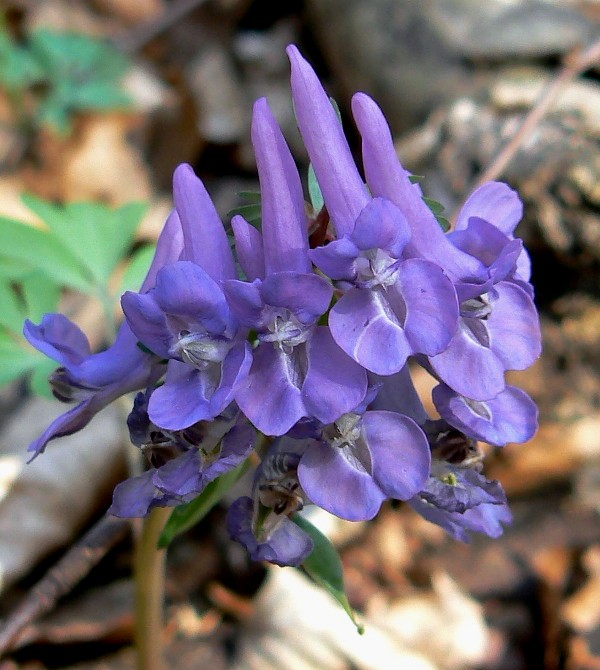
99,101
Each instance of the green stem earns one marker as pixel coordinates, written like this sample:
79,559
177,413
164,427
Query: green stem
149,591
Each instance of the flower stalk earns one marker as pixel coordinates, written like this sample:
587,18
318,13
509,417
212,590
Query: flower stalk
149,576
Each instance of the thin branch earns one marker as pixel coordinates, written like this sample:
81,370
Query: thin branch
575,64
143,34
63,577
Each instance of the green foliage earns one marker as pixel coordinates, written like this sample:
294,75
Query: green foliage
324,567
80,249
71,72
185,516
437,208
314,191
250,209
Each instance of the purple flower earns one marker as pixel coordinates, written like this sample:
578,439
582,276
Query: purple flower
358,461
498,328
183,461
456,496
394,307
509,417
284,545
297,370
262,523
386,178
95,380
486,518
186,318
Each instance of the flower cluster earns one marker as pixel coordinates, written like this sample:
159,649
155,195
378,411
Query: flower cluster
308,346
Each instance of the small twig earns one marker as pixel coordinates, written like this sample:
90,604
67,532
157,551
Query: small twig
575,64
62,577
143,34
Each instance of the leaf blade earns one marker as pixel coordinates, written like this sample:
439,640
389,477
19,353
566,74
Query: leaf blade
189,514
324,567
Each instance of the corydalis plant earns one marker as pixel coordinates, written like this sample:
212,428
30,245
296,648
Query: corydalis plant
304,356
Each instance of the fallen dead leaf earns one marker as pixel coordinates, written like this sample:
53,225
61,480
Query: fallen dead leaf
49,500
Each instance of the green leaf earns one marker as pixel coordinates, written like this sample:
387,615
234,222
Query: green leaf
38,382
42,251
41,296
13,269
76,58
336,107
137,269
314,190
252,213
250,196
96,235
53,112
444,223
98,95
189,514
415,178
15,360
18,69
11,308
435,206
81,72
324,567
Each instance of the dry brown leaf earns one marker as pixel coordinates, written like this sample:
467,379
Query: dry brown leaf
11,205
104,165
582,610
96,162
297,625
47,502
132,12
65,15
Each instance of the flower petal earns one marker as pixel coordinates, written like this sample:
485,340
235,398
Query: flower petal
469,367
337,484
284,224
245,301
133,497
343,190
431,306
364,326
147,321
514,327
494,202
184,289
398,394
235,368
287,545
183,399
270,396
168,249
306,295
400,453
388,179
58,338
334,383
249,248
336,259
381,225
205,240
181,476
509,417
